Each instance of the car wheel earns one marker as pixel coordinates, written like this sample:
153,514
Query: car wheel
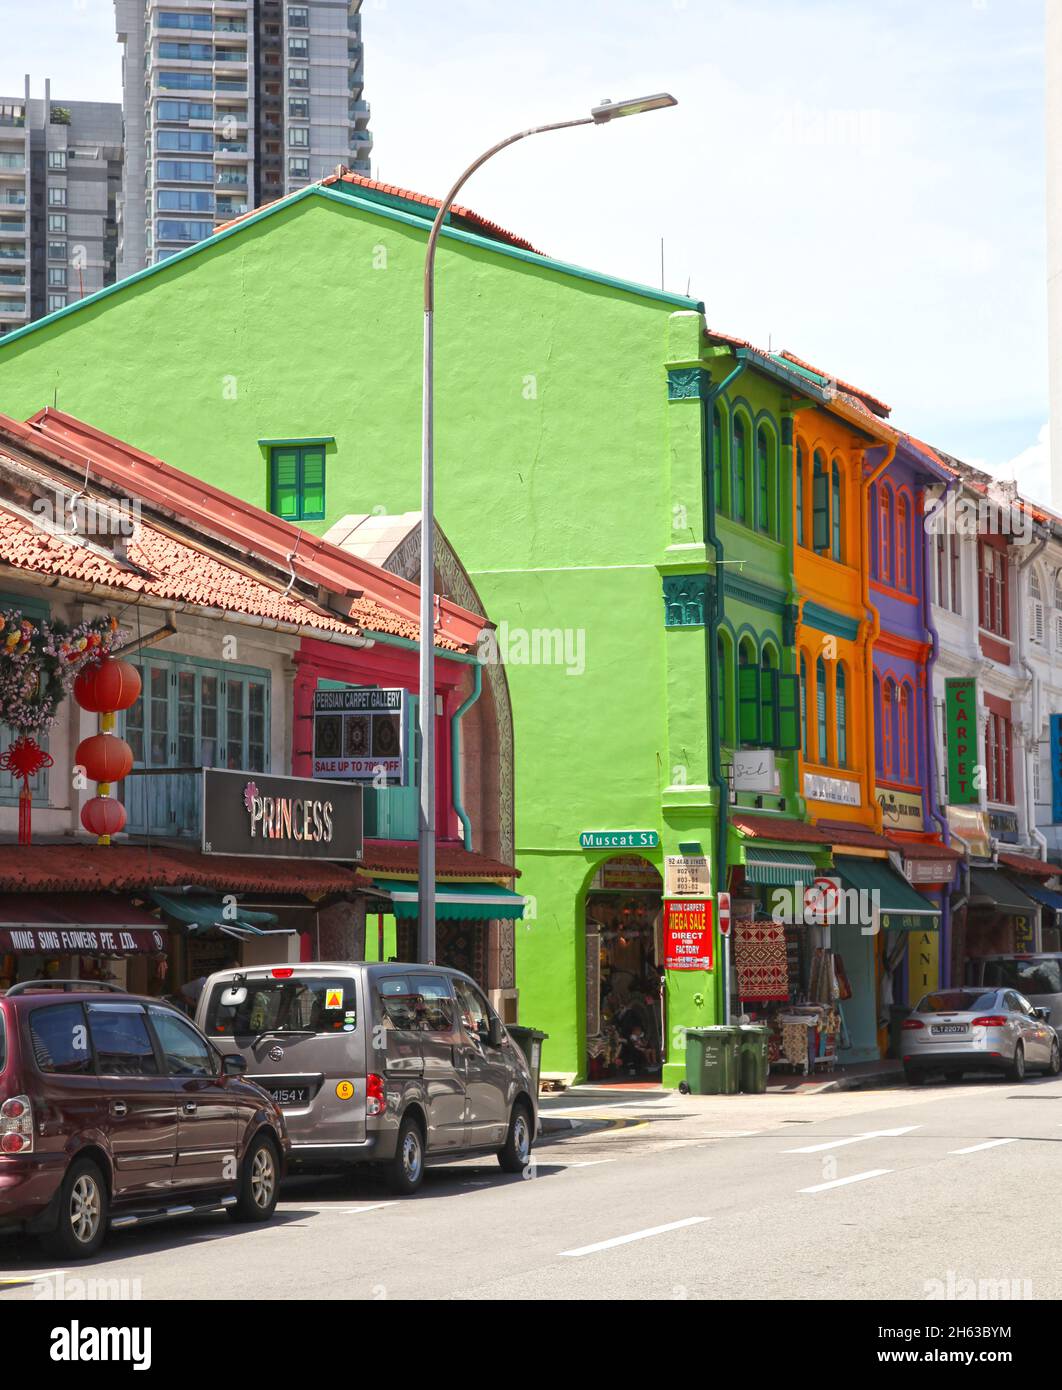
1016,1070
1054,1066
515,1154
259,1187
913,1076
405,1172
83,1208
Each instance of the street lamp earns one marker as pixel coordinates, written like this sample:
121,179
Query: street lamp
600,115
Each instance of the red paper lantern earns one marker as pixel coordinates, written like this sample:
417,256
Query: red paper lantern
105,757
106,685
103,816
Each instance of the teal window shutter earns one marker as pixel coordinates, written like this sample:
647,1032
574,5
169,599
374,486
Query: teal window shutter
823,750
789,703
820,504
769,706
749,705
763,480
717,458
738,500
800,495
835,511
841,707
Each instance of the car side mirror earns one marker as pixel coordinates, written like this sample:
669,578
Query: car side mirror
232,1064
495,1031
1044,1014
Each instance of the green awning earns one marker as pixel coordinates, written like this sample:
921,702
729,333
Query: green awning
779,868
477,902
997,888
901,907
204,911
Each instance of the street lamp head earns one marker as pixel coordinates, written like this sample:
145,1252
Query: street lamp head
609,110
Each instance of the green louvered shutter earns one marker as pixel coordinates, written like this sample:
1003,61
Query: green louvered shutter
769,706
788,713
285,489
749,705
313,484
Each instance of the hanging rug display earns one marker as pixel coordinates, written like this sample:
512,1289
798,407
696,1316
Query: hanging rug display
760,958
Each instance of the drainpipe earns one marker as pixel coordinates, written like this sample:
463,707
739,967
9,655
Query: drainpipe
1034,680
455,753
715,611
935,810
871,630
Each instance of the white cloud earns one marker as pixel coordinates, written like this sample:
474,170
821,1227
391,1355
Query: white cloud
1030,469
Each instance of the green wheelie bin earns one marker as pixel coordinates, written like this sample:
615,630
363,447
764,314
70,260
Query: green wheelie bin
711,1061
753,1066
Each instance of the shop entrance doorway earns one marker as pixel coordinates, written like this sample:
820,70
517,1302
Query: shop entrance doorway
624,1024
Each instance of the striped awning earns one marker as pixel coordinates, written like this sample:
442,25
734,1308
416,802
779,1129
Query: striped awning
778,868
459,902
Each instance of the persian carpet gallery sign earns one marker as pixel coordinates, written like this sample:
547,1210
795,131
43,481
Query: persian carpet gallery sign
359,734
688,935
960,720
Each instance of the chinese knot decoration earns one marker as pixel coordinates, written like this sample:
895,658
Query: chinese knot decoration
105,686
39,661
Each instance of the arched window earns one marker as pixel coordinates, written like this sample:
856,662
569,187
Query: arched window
1036,608
905,733
878,752
800,470
885,533
823,750
725,700
888,727
820,502
903,578
738,499
841,707
803,705
836,512
764,480
717,458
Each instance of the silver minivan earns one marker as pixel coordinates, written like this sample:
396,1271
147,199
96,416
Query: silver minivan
398,1065
1037,975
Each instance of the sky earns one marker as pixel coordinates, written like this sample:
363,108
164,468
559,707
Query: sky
859,182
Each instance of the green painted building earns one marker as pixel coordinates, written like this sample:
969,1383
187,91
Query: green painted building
579,423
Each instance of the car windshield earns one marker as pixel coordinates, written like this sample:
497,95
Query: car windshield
957,1001
1033,975
309,1004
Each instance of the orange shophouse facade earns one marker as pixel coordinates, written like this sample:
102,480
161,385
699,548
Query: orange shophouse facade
836,631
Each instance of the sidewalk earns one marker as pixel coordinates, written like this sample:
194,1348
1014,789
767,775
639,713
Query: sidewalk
592,1105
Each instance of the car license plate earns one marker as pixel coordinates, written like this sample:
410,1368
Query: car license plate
949,1028
290,1095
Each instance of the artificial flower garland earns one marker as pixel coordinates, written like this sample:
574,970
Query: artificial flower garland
39,659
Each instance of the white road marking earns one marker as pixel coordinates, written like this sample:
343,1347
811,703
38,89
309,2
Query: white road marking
585,1163
635,1235
841,1182
990,1144
853,1139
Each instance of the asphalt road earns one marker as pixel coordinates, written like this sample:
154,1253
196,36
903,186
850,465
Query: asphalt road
944,1191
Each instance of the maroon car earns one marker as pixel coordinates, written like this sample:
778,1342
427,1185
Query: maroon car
115,1110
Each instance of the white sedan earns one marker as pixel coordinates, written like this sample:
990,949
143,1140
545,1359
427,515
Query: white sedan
959,1030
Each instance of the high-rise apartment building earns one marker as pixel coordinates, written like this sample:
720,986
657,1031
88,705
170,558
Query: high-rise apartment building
60,175
230,104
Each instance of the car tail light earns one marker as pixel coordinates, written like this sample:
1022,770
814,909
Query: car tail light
279,973
16,1126
375,1100
990,1021
912,1023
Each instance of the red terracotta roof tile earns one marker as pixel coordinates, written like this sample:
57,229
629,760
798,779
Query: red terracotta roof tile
1025,864
124,868
777,828
842,833
451,861
381,601
876,405
922,849
474,219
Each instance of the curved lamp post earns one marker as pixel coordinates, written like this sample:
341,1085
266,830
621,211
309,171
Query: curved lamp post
600,115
